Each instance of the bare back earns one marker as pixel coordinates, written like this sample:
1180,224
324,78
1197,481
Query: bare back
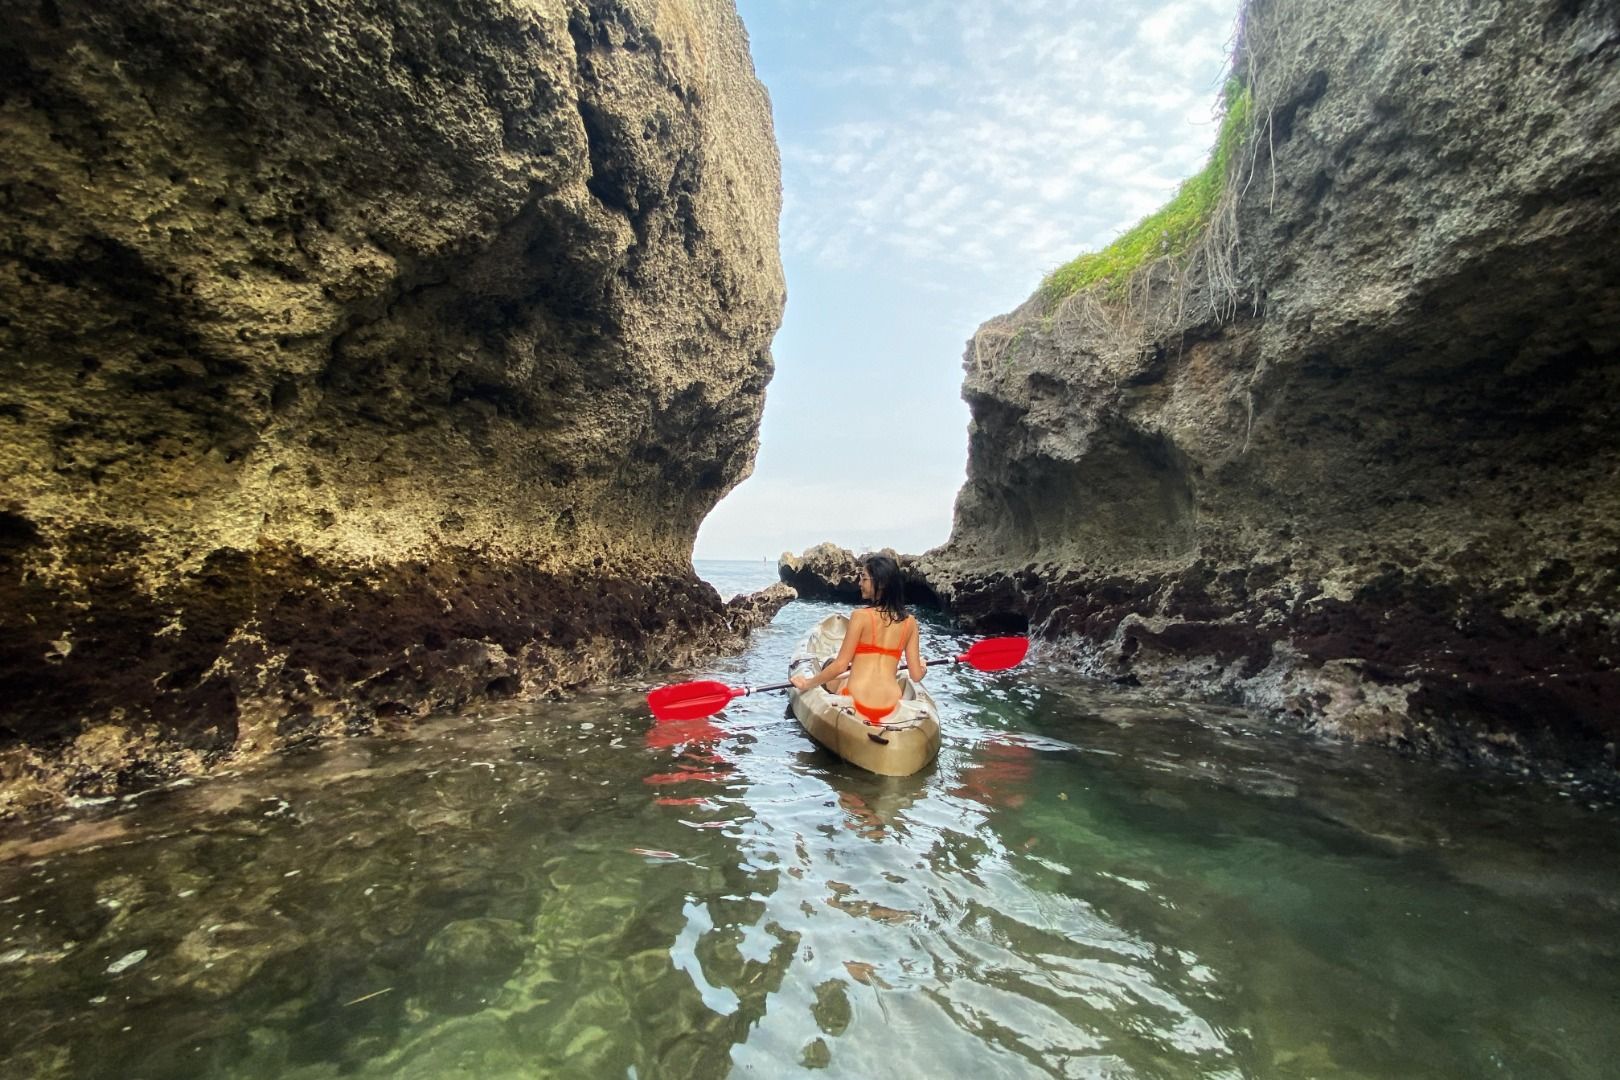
879,644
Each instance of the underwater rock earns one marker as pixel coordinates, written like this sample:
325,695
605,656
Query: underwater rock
363,363
222,957
465,963
1352,459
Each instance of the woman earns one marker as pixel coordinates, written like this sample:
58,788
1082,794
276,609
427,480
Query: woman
876,637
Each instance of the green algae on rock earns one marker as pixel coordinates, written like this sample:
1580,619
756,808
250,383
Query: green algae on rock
1353,458
362,360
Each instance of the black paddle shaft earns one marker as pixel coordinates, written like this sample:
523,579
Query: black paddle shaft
785,685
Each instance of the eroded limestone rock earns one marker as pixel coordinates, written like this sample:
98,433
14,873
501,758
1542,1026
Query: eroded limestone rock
823,572
363,359
747,612
1358,463
829,572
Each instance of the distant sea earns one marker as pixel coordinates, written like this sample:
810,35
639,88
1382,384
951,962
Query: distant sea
732,576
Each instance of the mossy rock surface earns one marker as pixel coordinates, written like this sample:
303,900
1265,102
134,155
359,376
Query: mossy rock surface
1354,465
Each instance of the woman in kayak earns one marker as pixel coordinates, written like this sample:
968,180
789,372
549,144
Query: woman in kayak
873,644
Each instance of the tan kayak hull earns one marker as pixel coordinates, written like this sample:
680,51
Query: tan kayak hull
905,743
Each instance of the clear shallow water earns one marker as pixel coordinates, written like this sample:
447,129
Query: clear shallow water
1086,884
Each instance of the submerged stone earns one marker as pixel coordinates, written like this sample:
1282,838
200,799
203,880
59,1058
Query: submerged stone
465,963
221,958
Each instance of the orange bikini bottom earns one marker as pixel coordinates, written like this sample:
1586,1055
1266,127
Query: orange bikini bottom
873,715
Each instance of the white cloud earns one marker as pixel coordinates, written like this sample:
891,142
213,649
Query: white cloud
938,156
1073,114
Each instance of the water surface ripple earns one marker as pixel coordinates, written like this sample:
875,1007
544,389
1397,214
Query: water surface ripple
1088,883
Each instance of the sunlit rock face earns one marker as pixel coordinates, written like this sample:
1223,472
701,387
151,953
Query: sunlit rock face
1362,466
362,358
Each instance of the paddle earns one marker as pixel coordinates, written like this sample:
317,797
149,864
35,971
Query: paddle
705,697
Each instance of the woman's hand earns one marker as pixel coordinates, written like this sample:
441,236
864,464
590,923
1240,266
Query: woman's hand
799,682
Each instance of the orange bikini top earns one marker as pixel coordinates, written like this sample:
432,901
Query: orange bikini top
873,647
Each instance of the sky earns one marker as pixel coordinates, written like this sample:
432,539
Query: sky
938,159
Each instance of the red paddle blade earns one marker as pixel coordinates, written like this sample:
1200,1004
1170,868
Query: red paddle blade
996,654
691,700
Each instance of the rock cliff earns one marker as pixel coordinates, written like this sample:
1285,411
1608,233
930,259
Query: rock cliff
1354,458
361,359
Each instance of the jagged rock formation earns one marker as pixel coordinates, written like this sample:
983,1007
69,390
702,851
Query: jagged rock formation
1355,460
829,572
823,572
362,359
746,612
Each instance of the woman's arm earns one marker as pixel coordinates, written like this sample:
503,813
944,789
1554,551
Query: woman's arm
846,653
913,653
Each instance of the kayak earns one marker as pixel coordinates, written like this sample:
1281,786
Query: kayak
904,742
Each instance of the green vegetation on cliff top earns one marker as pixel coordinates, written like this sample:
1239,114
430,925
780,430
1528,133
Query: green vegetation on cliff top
1172,228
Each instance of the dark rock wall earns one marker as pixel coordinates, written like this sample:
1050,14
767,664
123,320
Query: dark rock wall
364,357
831,573
823,572
1358,461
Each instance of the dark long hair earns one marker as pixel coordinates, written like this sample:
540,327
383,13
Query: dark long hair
888,592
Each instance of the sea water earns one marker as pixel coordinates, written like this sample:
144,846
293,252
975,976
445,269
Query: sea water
1089,882
732,576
